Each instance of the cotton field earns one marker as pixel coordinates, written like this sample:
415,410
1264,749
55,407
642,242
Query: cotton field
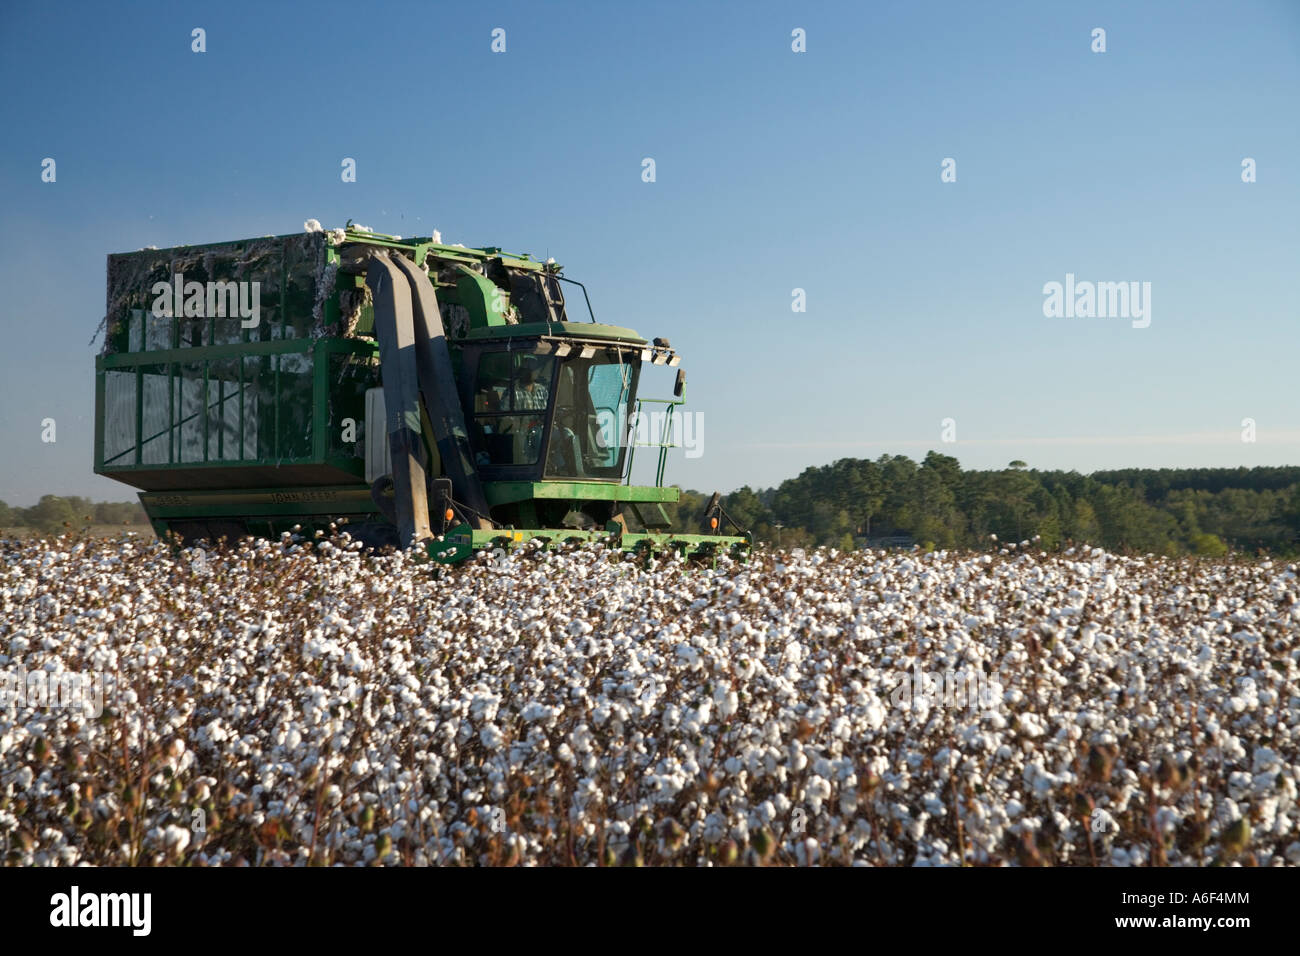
302,703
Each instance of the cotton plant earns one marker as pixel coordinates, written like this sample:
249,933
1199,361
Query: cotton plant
301,702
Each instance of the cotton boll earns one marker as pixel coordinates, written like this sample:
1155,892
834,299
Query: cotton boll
175,840
382,699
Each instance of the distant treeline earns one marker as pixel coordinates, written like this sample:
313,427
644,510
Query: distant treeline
894,500
54,514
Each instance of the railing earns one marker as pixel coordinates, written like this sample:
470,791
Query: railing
176,427
664,442
590,311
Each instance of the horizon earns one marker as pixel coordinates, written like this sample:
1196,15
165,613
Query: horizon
1028,468
777,172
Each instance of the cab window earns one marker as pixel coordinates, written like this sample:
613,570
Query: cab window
513,393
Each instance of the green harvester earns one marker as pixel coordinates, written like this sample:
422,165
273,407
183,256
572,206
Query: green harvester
409,392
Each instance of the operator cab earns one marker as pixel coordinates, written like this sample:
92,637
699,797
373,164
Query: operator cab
554,409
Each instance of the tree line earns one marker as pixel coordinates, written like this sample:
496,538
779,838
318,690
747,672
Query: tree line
894,500
54,514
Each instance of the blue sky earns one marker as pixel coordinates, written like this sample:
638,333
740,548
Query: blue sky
775,170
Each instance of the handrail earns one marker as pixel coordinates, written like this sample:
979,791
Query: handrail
590,311
663,444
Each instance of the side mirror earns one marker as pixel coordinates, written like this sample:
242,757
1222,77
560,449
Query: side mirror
680,385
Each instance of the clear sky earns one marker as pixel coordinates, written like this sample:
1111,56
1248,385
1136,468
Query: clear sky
775,171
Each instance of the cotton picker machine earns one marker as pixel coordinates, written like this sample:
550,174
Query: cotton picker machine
413,392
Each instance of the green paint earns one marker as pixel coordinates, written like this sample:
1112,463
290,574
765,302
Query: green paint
507,492
253,425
